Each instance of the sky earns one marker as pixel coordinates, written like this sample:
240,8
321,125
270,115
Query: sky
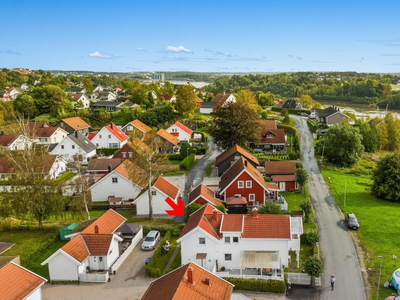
201,36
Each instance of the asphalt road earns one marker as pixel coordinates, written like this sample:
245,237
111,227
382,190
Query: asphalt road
338,251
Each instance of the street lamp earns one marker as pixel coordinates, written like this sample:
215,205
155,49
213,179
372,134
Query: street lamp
379,279
345,182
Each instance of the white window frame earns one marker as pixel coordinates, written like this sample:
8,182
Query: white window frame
154,193
240,184
248,184
114,179
252,196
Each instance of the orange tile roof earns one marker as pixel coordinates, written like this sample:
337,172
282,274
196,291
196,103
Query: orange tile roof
17,282
280,178
200,219
166,187
270,124
232,223
107,222
98,244
231,151
7,139
175,286
235,200
280,168
75,123
278,136
183,127
141,126
266,226
115,131
220,98
76,248
204,192
168,137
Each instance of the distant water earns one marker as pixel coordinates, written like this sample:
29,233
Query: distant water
196,84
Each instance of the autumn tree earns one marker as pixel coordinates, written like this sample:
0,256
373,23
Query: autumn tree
393,131
186,99
88,85
235,123
306,101
82,199
147,162
370,140
247,97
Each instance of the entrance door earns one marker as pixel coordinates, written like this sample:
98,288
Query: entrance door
282,186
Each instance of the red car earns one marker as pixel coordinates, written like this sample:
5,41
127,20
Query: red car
393,298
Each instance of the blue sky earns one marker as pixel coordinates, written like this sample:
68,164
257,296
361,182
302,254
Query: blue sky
203,36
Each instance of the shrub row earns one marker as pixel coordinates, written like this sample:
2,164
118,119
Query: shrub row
151,268
173,156
296,136
106,151
290,110
29,257
257,285
310,237
312,125
175,229
66,176
187,163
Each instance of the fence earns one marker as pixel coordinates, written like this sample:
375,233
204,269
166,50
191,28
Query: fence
138,237
302,279
94,277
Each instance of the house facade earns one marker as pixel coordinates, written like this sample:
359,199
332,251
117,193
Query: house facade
331,116
224,161
110,136
125,152
74,124
182,132
283,174
80,101
45,134
171,142
137,127
13,142
75,147
272,140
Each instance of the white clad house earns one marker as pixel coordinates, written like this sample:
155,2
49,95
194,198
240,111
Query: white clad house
116,184
75,147
160,190
182,132
110,136
90,254
245,244
13,142
80,98
45,134
16,282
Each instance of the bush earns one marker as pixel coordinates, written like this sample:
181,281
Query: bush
191,208
312,125
66,176
187,163
106,151
310,237
267,179
221,208
34,254
270,208
173,156
290,110
175,229
293,156
151,269
299,165
257,285
292,130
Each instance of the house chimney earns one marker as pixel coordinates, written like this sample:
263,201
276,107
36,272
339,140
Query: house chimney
215,214
207,281
109,169
245,163
76,134
96,228
111,125
2,133
190,275
255,216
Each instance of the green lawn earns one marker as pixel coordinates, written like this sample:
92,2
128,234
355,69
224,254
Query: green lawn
305,252
176,263
175,162
164,258
379,222
209,168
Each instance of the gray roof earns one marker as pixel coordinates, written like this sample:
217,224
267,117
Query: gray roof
106,103
290,104
323,113
73,89
82,141
208,104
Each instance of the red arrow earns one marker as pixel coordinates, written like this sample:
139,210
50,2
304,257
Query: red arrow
177,210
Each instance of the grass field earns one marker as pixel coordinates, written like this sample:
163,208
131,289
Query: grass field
379,221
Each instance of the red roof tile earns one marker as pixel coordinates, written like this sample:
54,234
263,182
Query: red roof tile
17,282
141,126
281,178
175,286
75,123
235,200
76,248
168,137
232,223
98,244
183,127
278,136
107,222
280,168
231,151
114,130
91,136
202,191
7,139
166,187
267,226
268,124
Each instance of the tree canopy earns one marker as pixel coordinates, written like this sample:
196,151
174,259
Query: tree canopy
386,178
247,97
301,178
186,99
235,123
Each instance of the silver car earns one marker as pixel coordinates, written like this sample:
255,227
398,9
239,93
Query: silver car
151,240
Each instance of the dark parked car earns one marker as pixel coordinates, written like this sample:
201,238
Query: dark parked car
351,221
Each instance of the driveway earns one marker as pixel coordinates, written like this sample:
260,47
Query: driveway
338,251
130,282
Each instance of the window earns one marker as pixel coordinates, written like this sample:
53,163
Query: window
115,180
130,154
123,154
240,184
235,239
248,183
73,146
97,144
153,193
228,257
252,197
100,136
62,146
202,241
100,258
109,136
227,239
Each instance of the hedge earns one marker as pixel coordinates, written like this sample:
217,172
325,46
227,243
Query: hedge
106,151
66,176
175,229
257,285
34,254
312,125
173,156
187,163
290,110
292,130
151,270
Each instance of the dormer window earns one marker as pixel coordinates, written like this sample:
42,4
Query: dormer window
270,135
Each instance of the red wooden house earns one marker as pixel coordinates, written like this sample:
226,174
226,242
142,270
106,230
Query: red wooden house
245,180
282,173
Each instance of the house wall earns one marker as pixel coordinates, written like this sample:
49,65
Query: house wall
127,150
36,295
21,143
290,186
105,187
226,164
335,119
104,139
96,264
68,153
183,135
190,247
256,189
113,253
58,167
62,268
207,110
159,204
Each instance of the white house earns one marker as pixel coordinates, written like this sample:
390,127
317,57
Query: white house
45,134
240,242
14,92
75,147
98,88
116,184
90,254
160,190
16,282
180,131
82,98
110,136
13,142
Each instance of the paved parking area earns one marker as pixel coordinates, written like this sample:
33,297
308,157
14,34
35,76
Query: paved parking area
130,282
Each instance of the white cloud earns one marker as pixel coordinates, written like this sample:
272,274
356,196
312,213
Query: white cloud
142,49
177,49
98,54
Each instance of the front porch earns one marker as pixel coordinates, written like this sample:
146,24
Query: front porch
94,276
279,199
254,273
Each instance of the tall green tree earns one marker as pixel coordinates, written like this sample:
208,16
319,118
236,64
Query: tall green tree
343,145
370,140
393,130
313,267
301,178
46,97
386,178
88,85
24,104
100,117
186,99
235,123
247,97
